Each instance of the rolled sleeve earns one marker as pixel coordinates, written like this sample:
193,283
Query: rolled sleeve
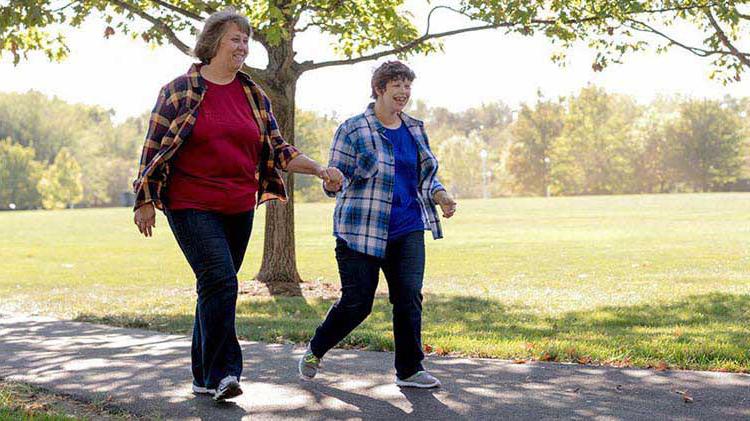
436,187
283,152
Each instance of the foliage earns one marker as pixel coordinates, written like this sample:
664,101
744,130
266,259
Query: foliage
708,143
594,152
360,29
19,175
314,134
533,135
60,185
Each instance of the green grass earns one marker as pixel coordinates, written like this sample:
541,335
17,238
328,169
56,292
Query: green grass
639,280
20,401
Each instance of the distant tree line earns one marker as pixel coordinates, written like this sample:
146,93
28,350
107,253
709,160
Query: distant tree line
56,155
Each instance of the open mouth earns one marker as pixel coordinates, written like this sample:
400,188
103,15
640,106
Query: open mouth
401,100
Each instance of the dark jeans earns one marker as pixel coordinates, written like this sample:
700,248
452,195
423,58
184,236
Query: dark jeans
214,245
403,267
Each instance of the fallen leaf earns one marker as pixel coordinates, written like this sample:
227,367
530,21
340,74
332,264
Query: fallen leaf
546,357
685,396
584,360
440,351
661,366
427,348
519,361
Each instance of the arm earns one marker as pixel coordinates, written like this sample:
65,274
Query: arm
302,164
283,153
146,188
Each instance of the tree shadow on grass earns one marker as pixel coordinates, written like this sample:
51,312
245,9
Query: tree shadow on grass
701,331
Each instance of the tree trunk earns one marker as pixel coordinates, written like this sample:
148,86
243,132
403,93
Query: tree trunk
279,267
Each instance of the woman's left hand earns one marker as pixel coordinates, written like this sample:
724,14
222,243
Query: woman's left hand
446,202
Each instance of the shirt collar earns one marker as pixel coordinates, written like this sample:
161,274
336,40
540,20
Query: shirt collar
197,81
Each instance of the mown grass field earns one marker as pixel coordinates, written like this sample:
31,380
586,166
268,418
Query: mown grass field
660,280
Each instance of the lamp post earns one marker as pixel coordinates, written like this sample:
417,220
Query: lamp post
483,155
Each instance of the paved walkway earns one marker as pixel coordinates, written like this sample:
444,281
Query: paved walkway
147,373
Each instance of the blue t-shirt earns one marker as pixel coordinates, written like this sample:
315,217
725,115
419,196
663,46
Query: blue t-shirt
406,213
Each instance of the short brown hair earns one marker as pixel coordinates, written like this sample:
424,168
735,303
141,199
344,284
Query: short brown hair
214,29
387,72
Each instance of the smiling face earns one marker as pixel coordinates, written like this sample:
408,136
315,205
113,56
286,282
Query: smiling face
233,49
396,95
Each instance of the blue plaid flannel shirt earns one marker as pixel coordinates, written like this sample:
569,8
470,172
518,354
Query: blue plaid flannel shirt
364,155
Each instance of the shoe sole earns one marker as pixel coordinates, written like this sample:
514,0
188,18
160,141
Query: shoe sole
198,390
305,378
302,376
232,391
417,385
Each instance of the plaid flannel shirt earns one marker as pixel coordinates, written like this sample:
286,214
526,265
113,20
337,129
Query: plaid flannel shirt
364,155
172,121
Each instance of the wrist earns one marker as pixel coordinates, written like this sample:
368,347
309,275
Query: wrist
438,196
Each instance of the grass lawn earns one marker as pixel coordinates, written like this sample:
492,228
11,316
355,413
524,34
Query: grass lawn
20,401
651,280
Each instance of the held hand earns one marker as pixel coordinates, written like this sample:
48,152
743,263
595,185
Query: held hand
145,219
446,202
333,179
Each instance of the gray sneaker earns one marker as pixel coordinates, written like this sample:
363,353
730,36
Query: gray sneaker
229,387
421,379
308,365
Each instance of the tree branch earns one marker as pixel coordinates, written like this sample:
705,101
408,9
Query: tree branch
179,10
158,24
644,27
743,57
309,65
701,52
60,9
429,15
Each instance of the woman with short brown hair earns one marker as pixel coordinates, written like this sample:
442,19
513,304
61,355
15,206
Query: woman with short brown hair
212,154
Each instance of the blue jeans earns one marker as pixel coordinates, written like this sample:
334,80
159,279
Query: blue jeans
403,267
214,245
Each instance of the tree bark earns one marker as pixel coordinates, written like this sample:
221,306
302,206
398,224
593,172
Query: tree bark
279,266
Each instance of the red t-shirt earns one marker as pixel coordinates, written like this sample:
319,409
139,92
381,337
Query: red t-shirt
215,169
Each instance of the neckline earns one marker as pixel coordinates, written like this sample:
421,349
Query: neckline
396,129
209,83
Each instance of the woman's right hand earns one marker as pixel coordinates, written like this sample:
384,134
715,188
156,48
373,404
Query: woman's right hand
145,219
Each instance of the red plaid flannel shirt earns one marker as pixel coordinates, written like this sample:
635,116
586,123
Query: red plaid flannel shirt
172,121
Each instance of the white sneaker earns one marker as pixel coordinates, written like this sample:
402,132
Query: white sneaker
229,387
200,390
421,379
